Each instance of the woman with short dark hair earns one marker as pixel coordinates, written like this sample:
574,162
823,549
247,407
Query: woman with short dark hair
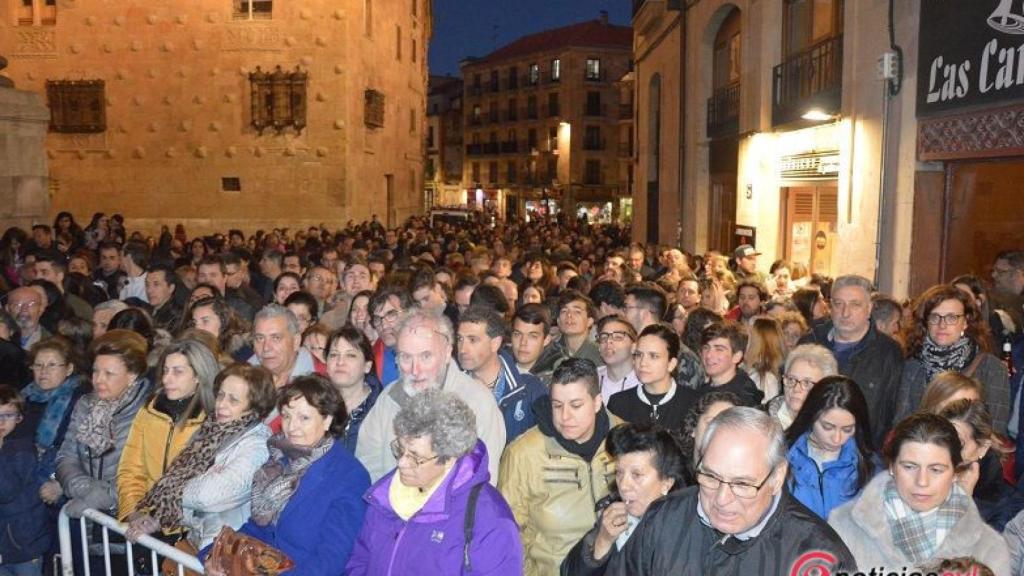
918,513
88,459
307,499
649,463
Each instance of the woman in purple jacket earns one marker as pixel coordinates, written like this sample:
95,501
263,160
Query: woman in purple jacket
436,513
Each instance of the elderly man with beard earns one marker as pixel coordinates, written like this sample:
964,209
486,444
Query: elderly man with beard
424,354
739,519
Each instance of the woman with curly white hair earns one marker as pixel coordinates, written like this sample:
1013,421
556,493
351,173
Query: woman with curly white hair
451,520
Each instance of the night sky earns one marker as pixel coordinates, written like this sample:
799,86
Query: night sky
476,27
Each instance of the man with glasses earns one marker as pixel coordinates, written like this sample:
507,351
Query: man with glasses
575,319
386,307
1008,285
739,519
479,343
26,306
873,360
424,355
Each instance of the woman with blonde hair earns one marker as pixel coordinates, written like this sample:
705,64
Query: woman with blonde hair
765,354
949,387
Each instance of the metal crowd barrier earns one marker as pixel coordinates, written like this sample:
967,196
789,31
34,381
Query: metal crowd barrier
156,548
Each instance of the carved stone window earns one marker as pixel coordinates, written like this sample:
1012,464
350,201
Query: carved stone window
77,106
252,9
278,99
373,115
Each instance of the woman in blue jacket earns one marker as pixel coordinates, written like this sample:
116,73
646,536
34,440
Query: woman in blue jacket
830,451
307,500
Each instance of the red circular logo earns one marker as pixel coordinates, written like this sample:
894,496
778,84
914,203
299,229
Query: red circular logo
816,563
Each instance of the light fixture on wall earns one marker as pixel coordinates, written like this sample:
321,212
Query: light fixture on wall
818,115
750,191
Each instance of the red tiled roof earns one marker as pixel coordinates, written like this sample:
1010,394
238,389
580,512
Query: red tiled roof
592,33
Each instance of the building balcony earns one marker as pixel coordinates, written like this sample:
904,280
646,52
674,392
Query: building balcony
601,76
491,148
594,144
474,149
724,111
595,110
811,79
510,147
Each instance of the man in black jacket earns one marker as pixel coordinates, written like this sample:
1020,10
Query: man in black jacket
872,359
739,519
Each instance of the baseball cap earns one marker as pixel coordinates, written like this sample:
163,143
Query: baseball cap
744,250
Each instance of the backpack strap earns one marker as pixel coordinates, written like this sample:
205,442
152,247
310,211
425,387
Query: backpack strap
969,371
468,523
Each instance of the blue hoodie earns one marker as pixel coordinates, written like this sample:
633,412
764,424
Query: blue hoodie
521,389
823,490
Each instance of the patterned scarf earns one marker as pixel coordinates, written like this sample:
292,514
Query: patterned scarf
916,535
274,483
163,501
96,430
57,401
955,357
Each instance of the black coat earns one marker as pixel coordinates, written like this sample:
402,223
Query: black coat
877,367
672,539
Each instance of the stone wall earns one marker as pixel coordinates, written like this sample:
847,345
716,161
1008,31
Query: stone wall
24,197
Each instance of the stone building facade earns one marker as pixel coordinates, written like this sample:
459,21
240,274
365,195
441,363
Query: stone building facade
542,122
336,132
443,169
789,137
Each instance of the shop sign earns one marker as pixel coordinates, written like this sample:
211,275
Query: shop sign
812,166
970,52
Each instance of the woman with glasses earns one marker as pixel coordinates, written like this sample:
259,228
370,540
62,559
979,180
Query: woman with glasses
918,512
649,463
948,334
49,399
658,399
616,339
307,500
830,451
451,520
805,366
350,369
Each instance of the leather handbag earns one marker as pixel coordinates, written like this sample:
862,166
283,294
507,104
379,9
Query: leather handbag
170,567
237,554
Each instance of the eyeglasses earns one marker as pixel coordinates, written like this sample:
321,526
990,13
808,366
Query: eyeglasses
742,490
1002,271
390,317
944,320
794,382
617,337
19,306
10,417
50,366
398,452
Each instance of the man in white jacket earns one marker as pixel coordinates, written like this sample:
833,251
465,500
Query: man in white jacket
424,356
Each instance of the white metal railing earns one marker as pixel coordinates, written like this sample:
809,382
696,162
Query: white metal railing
157,549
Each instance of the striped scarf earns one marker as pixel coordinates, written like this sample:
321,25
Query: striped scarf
955,357
919,535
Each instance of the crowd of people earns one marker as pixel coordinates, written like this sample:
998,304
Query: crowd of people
501,398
